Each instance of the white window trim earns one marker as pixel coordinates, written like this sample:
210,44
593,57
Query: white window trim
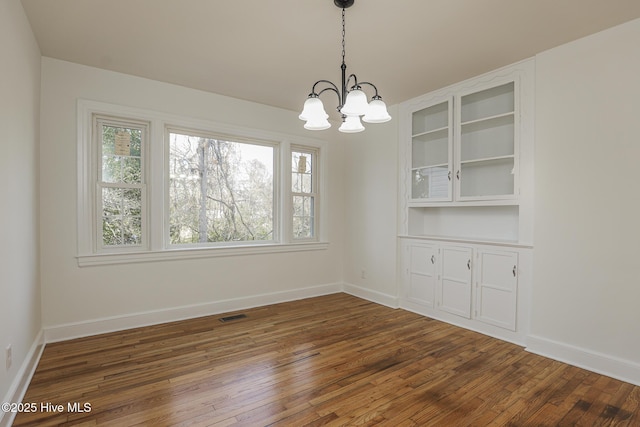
158,246
277,178
97,202
315,193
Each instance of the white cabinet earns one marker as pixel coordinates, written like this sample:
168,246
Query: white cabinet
470,285
465,211
464,143
422,273
496,288
466,158
455,283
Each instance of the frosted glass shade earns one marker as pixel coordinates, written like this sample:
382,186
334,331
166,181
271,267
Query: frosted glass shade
317,124
377,112
356,103
313,110
351,125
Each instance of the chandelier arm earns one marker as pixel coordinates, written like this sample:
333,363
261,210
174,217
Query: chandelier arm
376,96
355,82
333,86
333,89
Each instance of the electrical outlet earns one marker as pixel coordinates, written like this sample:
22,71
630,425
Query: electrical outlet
8,357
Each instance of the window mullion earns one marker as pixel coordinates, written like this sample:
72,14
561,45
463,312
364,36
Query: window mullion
157,224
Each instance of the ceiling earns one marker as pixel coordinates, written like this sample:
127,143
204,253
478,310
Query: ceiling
271,52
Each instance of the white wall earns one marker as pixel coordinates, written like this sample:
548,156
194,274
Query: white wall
371,182
76,295
587,197
586,209
19,116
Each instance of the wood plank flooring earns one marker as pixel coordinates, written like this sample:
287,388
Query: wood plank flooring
333,360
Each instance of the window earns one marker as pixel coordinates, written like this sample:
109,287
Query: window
303,192
121,201
220,190
155,186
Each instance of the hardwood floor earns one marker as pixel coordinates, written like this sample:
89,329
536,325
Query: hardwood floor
332,360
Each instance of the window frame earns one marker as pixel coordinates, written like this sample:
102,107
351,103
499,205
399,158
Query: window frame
157,246
98,121
168,128
314,194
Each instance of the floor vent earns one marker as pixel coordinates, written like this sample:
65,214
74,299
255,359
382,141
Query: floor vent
231,318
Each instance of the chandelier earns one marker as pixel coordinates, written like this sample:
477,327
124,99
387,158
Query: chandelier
352,101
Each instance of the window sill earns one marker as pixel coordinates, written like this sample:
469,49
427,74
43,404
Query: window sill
195,253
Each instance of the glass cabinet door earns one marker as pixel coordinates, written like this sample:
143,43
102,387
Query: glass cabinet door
485,165
431,153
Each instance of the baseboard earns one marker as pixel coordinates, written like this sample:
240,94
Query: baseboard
620,369
20,384
118,323
371,295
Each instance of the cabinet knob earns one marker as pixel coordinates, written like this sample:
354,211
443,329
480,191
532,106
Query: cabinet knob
449,175
514,271
469,264
433,259
458,175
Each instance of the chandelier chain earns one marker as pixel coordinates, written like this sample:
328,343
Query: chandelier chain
343,34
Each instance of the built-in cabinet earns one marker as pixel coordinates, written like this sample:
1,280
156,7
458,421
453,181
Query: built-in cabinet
465,147
475,285
467,151
466,185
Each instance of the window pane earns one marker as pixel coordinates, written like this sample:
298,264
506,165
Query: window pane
121,216
136,142
302,227
302,206
131,170
301,172
132,231
303,216
219,190
121,154
111,169
132,202
111,231
111,198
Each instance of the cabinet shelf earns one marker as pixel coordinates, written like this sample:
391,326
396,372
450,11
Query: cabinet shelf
431,132
488,103
494,160
486,122
494,201
469,240
439,165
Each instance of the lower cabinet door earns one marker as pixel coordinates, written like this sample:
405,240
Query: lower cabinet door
497,284
422,274
455,286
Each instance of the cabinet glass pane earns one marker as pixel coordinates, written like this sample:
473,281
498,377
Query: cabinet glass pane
487,178
432,118
487,138
488,103
427,183
431,149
